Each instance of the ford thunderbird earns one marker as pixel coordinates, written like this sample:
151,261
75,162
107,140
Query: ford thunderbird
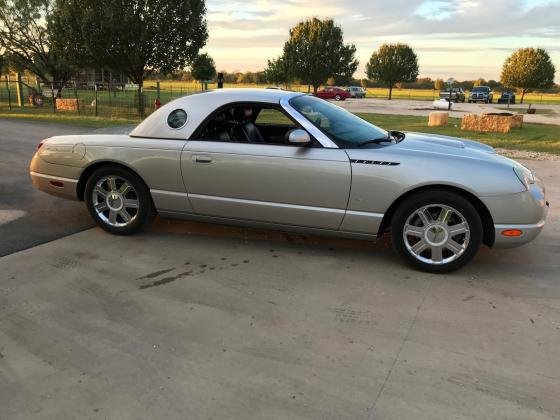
289,161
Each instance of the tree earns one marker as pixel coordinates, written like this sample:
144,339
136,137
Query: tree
135,37
393,63
276,72
479,82
528,68
27,36
316,51
203,68
439,84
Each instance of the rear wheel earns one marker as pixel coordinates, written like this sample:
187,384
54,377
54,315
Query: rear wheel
118,200
436,231
337,98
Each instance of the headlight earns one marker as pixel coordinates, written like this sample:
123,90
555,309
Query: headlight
525,175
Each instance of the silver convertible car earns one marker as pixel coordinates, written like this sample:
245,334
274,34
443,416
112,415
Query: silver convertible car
290,161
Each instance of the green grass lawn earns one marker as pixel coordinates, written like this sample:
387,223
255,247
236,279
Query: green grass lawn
62,117
532,137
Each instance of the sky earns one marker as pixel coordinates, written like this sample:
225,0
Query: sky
463,39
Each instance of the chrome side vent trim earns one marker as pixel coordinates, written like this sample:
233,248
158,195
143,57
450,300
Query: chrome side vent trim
374,162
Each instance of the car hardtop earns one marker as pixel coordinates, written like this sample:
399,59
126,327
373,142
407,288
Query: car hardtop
199,106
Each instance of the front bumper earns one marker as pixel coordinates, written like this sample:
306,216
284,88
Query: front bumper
529,232
525,211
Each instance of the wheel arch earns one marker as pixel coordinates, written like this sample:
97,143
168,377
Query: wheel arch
485,216
94,166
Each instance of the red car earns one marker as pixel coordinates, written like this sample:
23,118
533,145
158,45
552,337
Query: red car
336,93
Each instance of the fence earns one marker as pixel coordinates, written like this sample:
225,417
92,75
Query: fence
104,101
122,102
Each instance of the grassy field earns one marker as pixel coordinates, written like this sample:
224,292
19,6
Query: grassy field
417,94
532,137
67,118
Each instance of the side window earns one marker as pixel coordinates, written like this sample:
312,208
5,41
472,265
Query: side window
271,116
249,124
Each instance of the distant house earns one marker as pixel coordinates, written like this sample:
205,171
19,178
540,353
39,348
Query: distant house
104,78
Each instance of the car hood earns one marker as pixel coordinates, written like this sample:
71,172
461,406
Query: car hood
443,144
431,144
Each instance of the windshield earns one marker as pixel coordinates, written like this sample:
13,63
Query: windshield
481,89
345,129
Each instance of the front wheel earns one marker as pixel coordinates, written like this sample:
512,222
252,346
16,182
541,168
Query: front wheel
436,231
118,200
337,98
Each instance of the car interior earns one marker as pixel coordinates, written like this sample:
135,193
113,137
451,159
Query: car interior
249,124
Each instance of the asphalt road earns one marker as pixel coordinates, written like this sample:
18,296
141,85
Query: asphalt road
29,217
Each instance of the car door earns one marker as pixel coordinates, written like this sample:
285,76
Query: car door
281,184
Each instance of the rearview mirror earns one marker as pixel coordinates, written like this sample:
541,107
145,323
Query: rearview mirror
300,137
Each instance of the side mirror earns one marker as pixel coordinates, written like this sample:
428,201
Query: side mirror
299,137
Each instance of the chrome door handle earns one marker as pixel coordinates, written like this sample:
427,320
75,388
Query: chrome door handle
203,159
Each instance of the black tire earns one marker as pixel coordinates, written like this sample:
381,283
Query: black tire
140,217
337,98
437,197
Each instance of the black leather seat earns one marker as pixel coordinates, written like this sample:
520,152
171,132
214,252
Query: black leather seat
246,130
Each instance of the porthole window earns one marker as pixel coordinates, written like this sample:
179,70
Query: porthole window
177,119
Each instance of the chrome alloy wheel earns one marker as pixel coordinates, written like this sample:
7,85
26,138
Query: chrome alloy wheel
115,201
436,234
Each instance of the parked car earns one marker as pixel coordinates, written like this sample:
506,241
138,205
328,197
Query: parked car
289,161
507,97
356,92
457,94
336,93
481,94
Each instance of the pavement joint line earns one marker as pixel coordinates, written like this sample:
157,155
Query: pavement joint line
371,415
25,248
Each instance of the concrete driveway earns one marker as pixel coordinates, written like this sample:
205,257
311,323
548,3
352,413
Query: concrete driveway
198,322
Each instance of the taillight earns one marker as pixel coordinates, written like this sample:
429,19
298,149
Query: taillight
39,145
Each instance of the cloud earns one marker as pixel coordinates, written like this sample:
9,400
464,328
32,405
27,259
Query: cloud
455,35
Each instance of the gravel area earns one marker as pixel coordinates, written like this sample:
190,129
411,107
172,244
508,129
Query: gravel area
524,154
